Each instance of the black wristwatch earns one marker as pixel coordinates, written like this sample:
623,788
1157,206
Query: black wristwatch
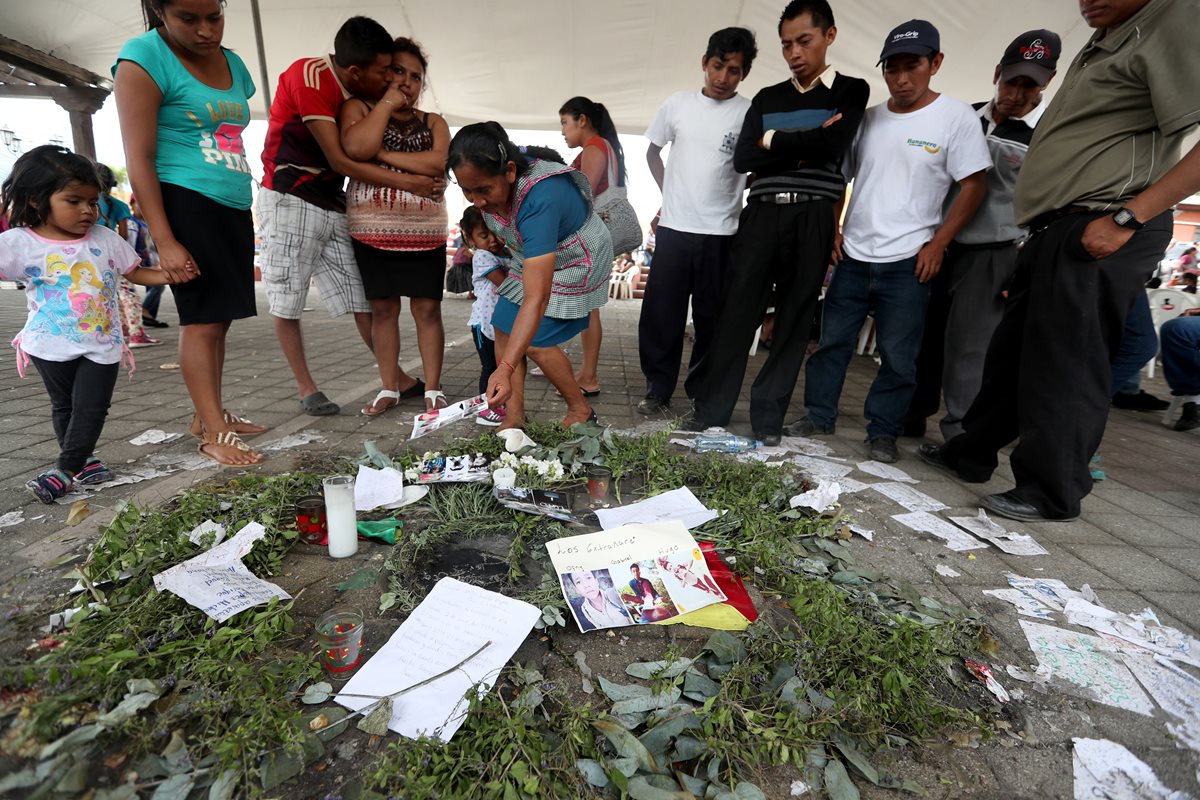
1126,219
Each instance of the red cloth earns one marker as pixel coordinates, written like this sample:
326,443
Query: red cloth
729,582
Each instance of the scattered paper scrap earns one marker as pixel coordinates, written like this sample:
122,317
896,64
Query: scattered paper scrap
984,673
1105,769
1051,593
208,528
819,499
865,533
677,504
909,497
637,574
288,442
168,365
885,471
426,645
851,486
515,440
987,529
377,487
1143,630
217,582
1175,690
1026,605
411,495
925,522
808,447
431,421
154,436
946,572
12,518
821,470
1082,660
1040,676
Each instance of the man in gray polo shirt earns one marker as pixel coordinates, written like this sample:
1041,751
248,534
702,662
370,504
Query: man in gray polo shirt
1102,174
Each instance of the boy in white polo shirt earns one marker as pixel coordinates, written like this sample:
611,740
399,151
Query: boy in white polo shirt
909,153
702,197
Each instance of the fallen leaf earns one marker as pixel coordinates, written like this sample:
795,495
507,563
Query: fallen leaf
376,723
838,783
79,512
317,693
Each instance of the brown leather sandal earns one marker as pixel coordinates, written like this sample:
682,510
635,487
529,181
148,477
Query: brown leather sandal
225,439
197,427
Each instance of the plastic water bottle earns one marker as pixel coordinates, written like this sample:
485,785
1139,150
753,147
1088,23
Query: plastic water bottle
723,443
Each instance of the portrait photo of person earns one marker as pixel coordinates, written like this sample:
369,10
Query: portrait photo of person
594,600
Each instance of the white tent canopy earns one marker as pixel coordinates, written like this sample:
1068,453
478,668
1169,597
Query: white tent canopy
516,61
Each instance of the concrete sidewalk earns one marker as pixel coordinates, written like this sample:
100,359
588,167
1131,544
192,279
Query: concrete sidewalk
1137,543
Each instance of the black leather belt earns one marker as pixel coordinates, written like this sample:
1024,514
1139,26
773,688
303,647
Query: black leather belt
1043,221
785,198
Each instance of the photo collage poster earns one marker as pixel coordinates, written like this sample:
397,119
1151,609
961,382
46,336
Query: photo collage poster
633,575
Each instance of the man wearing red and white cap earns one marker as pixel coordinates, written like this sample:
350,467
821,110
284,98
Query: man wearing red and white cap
968,294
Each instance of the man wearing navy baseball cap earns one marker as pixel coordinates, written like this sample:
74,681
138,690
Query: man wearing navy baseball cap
910,152
968,294
1096,191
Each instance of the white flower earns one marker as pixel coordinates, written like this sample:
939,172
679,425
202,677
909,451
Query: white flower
555,472
411,474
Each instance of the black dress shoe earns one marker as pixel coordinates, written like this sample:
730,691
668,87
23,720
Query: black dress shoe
883,449
934,456
1142,401
769,439
650,404
151,322
690,423
1011,507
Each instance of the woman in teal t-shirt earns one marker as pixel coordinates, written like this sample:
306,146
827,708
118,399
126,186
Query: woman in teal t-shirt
183,102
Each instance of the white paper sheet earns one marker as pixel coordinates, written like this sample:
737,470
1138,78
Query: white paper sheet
1175,690
1105,770
955,538
946,572
997,535
154,436
453,621
822,497
909,497
864,532
821,470
1051,593
1143,630
216,529
217,582
12,518
885,471
808,447
377,487
1083,660
288,442
851,486
678,504
1025,604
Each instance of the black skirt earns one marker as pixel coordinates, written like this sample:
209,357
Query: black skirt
221,241
397,273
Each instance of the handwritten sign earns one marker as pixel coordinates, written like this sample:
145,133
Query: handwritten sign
1082,660
217,582
633,575
450,624
955,538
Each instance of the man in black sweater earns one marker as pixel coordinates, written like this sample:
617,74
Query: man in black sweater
793,139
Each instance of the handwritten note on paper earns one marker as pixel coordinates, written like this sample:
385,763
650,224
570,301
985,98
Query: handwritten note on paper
1025,604
955,538
820,469
377,487
1175,690
1103,768
909,497
1082,660
999,536
450,624
885,471
217,582
678,504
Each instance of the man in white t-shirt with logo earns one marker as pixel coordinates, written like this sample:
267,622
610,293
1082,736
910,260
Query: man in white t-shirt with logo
702,197
909,153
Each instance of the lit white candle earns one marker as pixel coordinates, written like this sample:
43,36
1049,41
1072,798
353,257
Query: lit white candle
340,516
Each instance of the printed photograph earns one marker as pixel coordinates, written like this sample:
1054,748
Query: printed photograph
594,600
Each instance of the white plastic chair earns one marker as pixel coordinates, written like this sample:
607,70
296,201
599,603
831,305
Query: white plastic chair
620,285
1167,304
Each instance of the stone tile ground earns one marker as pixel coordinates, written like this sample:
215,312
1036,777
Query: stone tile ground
1137,543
